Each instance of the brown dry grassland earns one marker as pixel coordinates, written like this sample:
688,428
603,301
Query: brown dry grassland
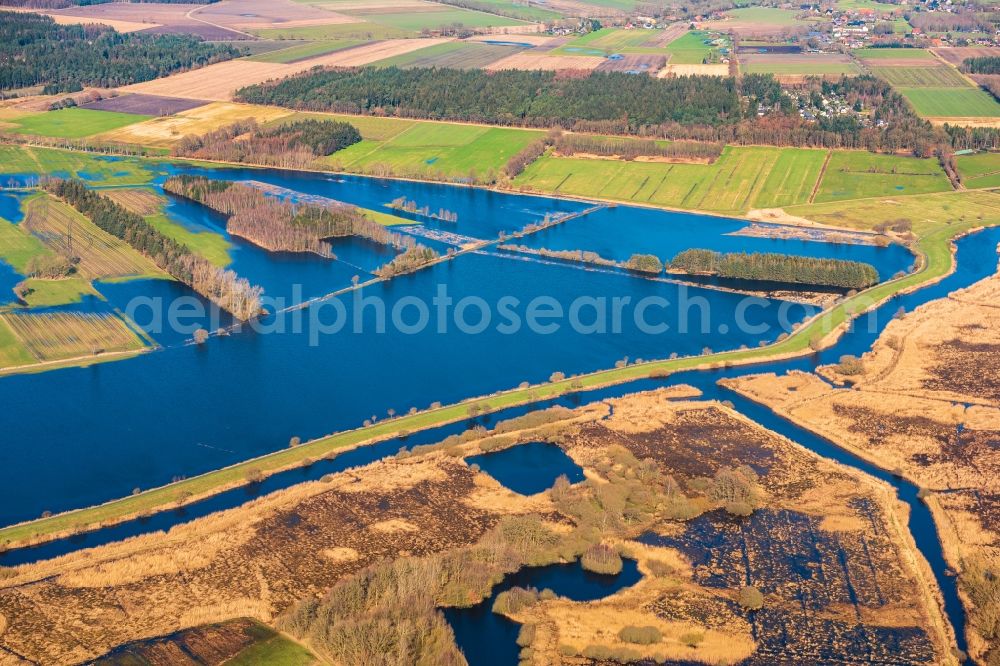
257,560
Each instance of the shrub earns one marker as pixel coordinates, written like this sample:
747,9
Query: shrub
692,639
736,488
660,568
751,598
640,635
512,601
850,365
600,652
741,509
644,263
602,559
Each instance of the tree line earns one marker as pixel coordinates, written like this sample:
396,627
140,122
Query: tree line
278,225
630,149
509,97
776,268
223,287
294,144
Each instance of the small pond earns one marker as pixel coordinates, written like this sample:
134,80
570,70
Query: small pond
487,638
528,468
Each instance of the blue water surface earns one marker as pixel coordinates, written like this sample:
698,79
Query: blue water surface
528,468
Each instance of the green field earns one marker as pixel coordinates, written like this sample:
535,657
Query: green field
926,212
901,26
881,7
75,123
765,16
208,244
431,20
434,149
47,293
453,55
857,174
792,178
65,163
624,5
307,50
515,9
691,48
941,76
741,179
278,650
979,171
612,40
881,54
952,102
13,353
364,30
17,247
801,68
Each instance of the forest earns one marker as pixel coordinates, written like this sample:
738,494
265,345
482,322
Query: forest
982,65
708,109
222,287
776,268
34,50
509,97
288,145
278,225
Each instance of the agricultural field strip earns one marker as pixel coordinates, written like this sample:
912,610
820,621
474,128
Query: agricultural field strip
952,102
741,179
939,76
67,232
219,81
62,335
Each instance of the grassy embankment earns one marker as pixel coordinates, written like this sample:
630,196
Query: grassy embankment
964,210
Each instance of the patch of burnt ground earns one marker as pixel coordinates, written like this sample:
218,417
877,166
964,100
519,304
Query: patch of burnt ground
966,368
809,576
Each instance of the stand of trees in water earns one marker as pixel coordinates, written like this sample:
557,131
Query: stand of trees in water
35,50
294,144
410,206
708,109
776,268
278,225
413,258
223,287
